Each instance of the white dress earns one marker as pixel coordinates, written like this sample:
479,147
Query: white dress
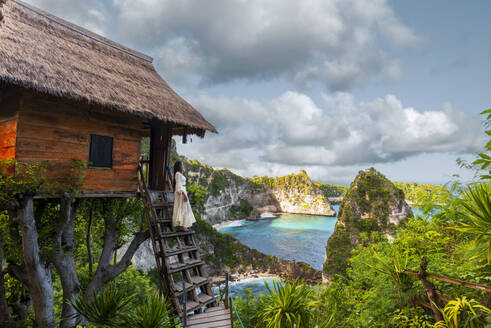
183,214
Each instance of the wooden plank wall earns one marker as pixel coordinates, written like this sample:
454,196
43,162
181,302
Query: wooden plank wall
9,104
59,131
8,132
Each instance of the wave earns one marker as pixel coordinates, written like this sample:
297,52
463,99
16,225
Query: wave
229,224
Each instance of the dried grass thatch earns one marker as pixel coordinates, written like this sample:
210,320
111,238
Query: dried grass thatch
2,2
61,59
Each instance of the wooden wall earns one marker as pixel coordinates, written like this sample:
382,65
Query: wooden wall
59,130
9,103
8,132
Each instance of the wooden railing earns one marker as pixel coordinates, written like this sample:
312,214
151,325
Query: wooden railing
229,302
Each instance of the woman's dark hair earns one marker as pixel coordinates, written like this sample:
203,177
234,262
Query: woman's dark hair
177,168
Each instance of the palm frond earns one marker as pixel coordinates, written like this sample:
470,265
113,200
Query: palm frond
476,211
106,308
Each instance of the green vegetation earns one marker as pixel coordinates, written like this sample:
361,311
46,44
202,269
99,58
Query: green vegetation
476,218
482,165
423,193
115,307
242,210
69,244
463,312
289,304
300,181
218,183
331,190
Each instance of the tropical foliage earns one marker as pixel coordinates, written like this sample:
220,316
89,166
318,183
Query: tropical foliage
114,307
463,312
476,218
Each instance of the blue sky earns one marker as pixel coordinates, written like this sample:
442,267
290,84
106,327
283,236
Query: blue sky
329,86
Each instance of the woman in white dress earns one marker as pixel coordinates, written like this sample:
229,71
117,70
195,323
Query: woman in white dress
183,216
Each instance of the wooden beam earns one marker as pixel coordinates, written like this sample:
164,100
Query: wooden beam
472,285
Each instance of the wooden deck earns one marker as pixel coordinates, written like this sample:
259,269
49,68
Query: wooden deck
216,317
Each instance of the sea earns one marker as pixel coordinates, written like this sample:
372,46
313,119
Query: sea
287,236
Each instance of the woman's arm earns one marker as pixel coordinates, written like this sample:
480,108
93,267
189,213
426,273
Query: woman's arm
180,187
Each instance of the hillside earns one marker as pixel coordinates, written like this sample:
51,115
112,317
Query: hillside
417,193
370,211
229,196
331,190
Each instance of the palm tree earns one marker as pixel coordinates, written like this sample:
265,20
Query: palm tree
114,307
107,307
153,313
289,305
476,211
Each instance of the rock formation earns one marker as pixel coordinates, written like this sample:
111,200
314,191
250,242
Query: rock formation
231,196
372,209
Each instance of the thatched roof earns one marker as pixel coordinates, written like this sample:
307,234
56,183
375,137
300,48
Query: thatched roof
45,53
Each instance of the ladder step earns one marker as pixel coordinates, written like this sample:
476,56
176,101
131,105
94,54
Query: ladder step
176,266
186,266
205,299
163,204
178,286
191,306
198,280
189,287
176,234
177,251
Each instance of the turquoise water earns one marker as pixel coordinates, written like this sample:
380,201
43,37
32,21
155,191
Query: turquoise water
290,236
256,285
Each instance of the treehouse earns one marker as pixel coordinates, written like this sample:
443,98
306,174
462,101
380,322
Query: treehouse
69,94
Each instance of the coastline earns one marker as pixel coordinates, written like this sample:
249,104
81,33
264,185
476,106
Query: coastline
228,223
234,278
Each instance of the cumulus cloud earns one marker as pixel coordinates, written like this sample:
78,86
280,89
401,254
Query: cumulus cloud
292,131
337,43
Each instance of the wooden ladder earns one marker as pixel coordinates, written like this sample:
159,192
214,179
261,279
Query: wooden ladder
183,279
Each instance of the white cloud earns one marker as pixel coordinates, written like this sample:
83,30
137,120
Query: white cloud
337,43
292,132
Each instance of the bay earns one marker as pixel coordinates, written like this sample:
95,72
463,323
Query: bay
290,236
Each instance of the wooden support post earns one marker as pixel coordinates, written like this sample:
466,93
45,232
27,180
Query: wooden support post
159,148
227,278
184,305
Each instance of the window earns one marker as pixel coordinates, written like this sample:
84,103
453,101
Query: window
101,151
